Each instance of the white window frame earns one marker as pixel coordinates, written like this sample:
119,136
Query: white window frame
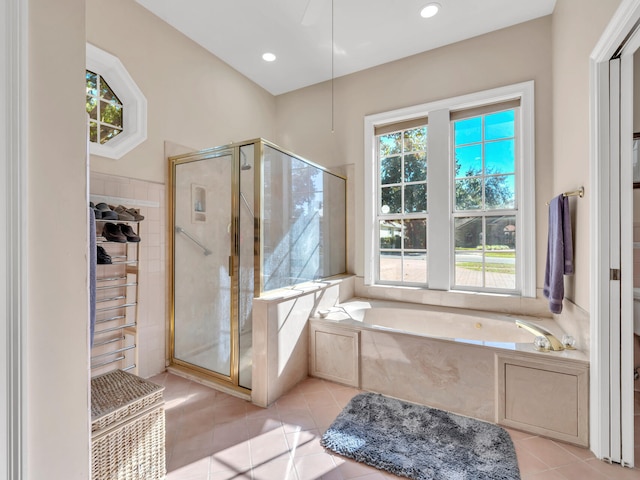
440,184
134,118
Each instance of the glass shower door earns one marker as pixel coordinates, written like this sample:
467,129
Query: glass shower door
203,285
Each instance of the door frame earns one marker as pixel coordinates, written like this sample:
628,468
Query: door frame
222,381
611,436
13,214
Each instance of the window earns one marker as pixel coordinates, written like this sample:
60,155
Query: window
402,203
451,186
116,107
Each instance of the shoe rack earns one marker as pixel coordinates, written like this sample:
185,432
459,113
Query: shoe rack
115,342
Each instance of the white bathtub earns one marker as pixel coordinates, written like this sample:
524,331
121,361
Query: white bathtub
475,363
455,324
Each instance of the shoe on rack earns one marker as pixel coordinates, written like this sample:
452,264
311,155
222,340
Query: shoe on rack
128,232
136,214
107,213
103,258
123,214
97,214
112,233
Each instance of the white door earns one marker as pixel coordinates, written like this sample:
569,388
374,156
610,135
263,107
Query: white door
611,405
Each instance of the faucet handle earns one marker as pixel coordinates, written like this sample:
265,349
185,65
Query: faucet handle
569,342
542,343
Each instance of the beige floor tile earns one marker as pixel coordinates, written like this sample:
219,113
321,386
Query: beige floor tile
277,468
581,471
311,467
211,435
548,452
528,463
614,471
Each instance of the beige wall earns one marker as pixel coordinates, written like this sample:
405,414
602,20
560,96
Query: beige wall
512,55
194,99
577,25
57,318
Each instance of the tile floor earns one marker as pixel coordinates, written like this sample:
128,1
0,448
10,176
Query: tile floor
214,436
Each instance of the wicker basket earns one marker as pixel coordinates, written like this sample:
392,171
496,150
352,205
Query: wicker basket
128,428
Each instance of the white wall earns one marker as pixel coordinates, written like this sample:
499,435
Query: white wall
57,406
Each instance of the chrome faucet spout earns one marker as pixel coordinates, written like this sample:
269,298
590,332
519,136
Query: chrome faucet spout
537,330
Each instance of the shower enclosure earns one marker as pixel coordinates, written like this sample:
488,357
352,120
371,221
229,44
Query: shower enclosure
246,218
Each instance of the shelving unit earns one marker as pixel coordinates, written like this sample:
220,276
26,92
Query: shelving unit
115,339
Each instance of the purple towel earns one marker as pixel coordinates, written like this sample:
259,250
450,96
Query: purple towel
559,252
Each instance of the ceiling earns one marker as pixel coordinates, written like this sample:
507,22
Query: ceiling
366,33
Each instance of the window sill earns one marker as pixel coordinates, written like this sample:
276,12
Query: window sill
487,301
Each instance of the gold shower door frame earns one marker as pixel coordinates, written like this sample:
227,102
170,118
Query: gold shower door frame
228,381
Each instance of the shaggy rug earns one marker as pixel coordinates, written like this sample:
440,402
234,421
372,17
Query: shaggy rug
420,442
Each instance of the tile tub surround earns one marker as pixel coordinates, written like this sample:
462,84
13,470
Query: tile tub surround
456,372
280,334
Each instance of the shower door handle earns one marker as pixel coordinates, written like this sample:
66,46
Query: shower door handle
232,264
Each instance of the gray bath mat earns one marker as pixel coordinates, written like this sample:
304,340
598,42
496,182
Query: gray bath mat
419,442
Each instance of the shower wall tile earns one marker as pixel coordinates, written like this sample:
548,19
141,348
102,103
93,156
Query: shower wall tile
152,299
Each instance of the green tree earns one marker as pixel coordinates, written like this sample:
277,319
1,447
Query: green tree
497,191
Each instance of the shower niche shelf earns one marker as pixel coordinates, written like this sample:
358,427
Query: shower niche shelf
115,338
199,202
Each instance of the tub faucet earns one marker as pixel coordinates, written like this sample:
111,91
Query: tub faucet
537,330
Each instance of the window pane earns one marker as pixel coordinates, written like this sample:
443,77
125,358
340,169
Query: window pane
500,191
390,144
93,132
500,255
468,251
92,88
415,140
468,194
501,233
390,267
391,234
468,233
391,200
468,131
415,234
107,133
415,267
415,198
92,109
110,113
468,161
415,167
500,272
106,93
500,157
390,170
499,125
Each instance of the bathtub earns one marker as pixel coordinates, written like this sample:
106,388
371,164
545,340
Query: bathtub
459,325
474,363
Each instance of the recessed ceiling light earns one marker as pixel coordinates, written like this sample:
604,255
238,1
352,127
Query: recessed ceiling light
268,57
430,10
